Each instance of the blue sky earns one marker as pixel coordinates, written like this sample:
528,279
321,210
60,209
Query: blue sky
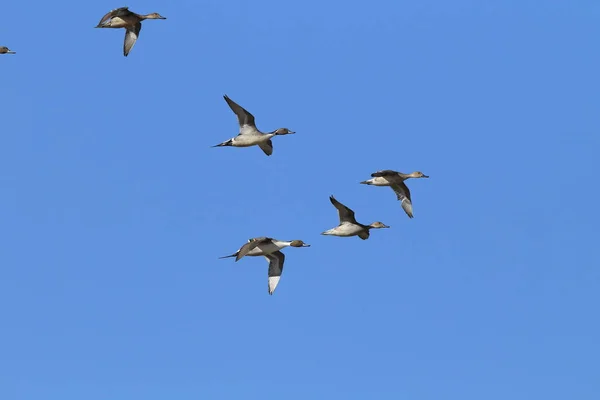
114,208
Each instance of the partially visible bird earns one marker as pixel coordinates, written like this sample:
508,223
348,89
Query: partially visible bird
348,225
132,22
249,135
270,249
6,50
395,180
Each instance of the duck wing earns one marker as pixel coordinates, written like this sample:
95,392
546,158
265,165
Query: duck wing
267,147
384,173
345,214
403,194
276,260
117,12
364,235
245,119
131,36
251,245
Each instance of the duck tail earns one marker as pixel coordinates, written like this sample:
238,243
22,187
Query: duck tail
231,255
225,143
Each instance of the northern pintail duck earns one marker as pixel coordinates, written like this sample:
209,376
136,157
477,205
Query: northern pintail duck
6,50
270,249
348,225
395,180
132,22
249,135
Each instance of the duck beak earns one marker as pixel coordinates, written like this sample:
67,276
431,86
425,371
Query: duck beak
306,245
364,182
163,18
425,176
385,226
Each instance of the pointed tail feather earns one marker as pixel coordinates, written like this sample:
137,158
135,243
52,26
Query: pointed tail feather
231,255
225,143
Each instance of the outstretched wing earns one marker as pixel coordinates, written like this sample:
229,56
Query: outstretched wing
245,119
131,36
403,194
276,260
117,12
345,214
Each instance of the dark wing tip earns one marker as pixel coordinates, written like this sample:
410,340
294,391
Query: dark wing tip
232,104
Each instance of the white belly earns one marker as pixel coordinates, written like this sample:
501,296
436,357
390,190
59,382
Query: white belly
380,181
249,140
345,230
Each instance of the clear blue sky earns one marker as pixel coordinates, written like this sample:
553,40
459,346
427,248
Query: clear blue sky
114,208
